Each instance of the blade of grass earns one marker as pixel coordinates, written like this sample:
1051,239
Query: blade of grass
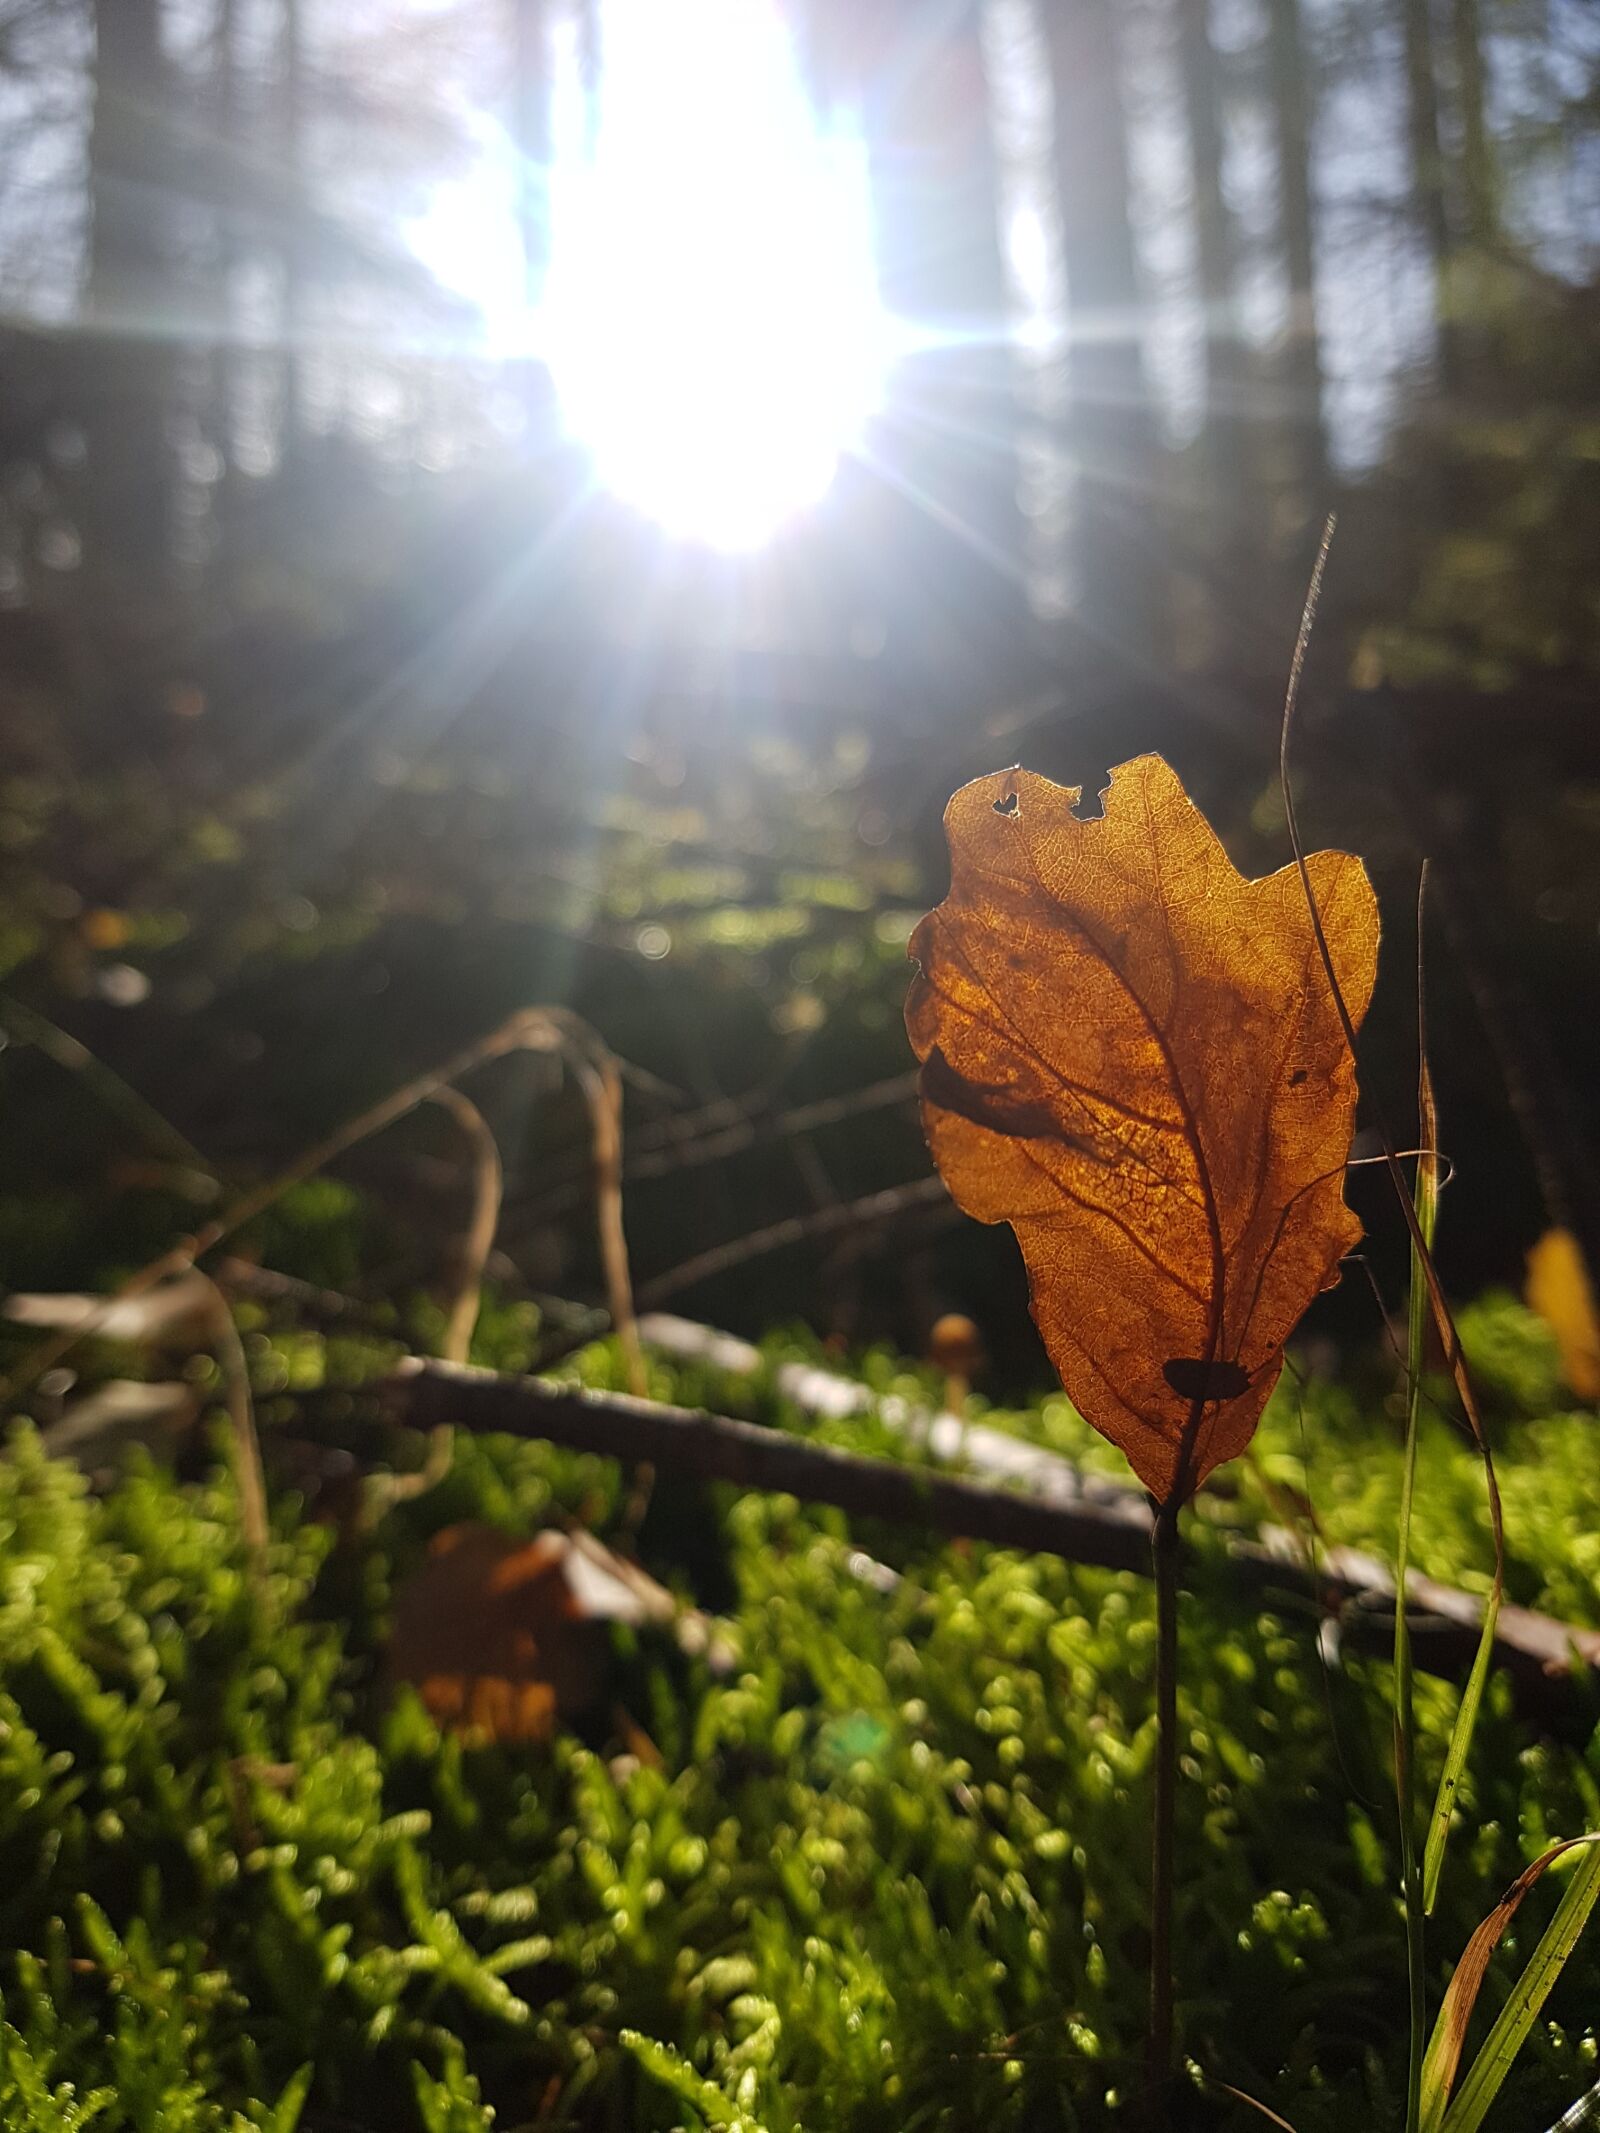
1254,2103
27,1026
1422,1255
1426,1200
1456,1758
1521,2010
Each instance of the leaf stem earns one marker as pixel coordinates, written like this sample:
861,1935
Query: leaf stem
1159,2045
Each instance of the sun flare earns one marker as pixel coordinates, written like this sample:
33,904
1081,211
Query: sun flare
711,316
710,311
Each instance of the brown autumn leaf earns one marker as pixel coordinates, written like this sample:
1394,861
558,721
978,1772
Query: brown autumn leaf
1130,1053
503,1638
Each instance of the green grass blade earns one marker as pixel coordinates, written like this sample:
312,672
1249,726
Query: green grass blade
1427,1205
1456,1760
1521,2011
1412,1882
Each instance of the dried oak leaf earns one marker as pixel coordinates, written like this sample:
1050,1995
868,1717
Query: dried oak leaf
1131,1054
503,1638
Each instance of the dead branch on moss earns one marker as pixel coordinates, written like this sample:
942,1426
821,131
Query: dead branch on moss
1551,1663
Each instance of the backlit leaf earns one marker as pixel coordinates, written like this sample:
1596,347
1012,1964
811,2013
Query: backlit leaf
1130,1053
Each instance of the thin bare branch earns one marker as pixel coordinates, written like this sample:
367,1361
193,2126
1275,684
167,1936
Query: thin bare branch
821,1222
724,1130
530,1029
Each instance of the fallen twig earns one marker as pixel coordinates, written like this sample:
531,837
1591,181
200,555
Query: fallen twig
1550,1662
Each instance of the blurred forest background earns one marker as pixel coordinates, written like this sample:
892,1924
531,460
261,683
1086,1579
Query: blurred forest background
347,707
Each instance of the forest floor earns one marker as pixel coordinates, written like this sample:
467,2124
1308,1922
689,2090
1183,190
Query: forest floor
874,1855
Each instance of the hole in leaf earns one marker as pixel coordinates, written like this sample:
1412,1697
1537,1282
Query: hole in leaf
1090,802
1008,804
1191,1378
1297,1077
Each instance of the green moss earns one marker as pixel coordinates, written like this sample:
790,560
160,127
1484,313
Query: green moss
890,1874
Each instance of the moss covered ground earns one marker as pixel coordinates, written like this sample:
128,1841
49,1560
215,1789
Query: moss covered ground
890,1870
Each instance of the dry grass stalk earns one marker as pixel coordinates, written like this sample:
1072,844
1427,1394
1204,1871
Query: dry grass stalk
229,1351
488,1185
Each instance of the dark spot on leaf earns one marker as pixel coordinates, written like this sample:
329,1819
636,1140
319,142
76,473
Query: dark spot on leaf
1008,804
999,1110
1297,1077
1194,1379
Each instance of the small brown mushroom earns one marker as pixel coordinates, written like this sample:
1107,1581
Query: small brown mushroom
955,1346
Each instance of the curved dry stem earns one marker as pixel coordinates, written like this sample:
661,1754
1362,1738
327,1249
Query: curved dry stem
1423,1265
602,1090
488,1185
601,1083
537,1029
1426,1200
529,1029
229,1351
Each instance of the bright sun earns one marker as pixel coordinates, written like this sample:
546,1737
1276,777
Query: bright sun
711,314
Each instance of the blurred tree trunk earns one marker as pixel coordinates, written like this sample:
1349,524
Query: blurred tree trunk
226,120
1110,441
129,358
1226,472
530,137
1428,171
1291,110
1477,156
591,55
533,143
947,453
296,234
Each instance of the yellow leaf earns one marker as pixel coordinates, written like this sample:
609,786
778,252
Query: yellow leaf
1560,1291
105,929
